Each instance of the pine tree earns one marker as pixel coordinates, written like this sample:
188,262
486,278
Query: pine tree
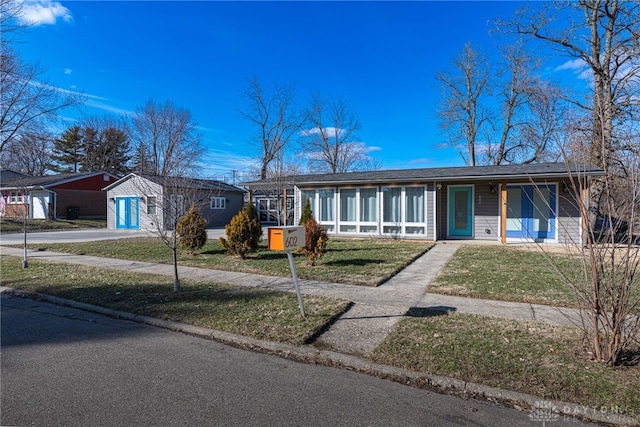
68,151
306,214
243,232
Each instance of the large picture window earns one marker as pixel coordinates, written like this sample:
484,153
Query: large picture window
368,204
348,205
414,205
392,204
326,209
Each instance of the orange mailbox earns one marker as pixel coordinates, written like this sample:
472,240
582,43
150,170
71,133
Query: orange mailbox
286,238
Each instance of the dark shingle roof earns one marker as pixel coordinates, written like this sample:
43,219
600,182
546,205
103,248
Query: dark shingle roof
538,170
180,182
49,180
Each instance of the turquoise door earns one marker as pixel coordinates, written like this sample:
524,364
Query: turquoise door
127,212
461,210
531,211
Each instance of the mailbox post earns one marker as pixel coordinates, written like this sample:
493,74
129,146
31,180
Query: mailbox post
287,239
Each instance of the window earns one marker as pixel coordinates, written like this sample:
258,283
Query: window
16,197
218,203
151,205
326,205
368,204
414,202
391,204
308,195
348,205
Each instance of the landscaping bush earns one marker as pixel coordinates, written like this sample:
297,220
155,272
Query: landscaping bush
243,232
192,230
316,239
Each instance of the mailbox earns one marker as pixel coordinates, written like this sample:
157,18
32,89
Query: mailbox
286,238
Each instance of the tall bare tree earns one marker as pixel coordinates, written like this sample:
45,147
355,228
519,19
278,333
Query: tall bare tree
603,36
29,103
461,113
167,140
331,139
275,118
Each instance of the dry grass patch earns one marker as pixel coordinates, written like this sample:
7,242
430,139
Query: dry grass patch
262,314
528,357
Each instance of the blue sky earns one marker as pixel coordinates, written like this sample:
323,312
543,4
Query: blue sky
381,57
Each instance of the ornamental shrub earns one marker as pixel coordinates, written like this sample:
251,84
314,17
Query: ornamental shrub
306,213
316,239
243,232
192,230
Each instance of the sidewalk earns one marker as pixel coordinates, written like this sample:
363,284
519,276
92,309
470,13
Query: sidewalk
375,310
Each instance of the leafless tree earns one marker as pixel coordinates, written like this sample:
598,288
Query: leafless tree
275,118
331,139
29,102
461,114
601,35
29,154
167,140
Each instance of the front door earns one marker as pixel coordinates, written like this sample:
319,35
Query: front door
127,212
531,211
461,210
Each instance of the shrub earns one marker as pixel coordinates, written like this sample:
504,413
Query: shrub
192,230
306,214
243,232
316,239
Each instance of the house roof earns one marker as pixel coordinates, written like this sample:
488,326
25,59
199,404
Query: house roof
49,180
468,173
190,183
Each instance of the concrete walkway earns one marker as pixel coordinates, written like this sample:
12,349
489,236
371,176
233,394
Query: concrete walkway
374,311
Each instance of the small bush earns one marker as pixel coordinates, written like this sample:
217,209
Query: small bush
192,230
306,213
243,232
316,239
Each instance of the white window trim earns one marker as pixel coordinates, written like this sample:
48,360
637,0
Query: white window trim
218,202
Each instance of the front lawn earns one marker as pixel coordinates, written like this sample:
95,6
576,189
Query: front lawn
262,314
15,225
352,261
527,357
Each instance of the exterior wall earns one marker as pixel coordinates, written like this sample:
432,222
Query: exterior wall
234,202
90,203
570,230
143,189
93,183
135,187
486,205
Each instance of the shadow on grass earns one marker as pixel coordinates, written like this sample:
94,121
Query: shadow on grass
434,311
354,261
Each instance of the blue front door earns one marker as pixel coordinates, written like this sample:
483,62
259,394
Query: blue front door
461,210
127,212
531,211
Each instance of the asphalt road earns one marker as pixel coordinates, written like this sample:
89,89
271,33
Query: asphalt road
62,366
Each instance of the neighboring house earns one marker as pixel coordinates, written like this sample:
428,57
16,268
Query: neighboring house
142,201
271,207
68,195
507,203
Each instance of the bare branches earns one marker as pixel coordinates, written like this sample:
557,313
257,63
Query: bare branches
167,140
331,137
275,119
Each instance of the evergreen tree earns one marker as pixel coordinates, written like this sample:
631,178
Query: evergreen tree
68,151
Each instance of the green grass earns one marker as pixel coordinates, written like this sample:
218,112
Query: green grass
14,225
527,357
510,274
352,261
262,314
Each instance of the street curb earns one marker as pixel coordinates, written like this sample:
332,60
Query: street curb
310,355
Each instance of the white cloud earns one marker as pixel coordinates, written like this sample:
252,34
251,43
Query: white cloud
68,71
574,64
43,12
332,132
